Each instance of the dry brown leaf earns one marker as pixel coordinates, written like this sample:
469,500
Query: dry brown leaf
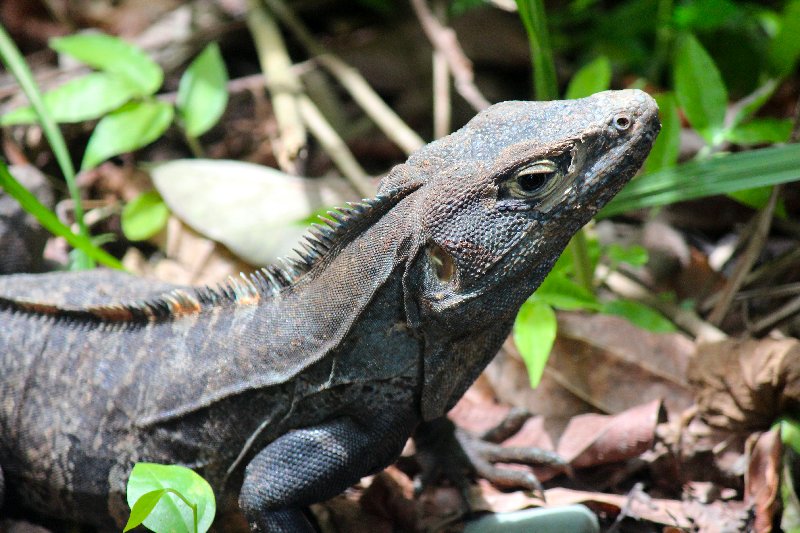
599,362
762,481
593,439
744,385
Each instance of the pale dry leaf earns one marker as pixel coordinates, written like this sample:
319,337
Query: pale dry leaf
744,385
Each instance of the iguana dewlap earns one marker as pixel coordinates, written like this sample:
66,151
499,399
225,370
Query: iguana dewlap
286,387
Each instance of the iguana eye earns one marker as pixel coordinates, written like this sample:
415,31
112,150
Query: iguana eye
443,265
534,180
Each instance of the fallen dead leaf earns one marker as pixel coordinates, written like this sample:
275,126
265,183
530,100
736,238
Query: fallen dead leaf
762,480
592,439
744,385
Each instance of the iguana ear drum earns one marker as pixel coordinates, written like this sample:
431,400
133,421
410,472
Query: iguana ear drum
442,262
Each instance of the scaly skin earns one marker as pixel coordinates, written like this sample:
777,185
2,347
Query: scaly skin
287,387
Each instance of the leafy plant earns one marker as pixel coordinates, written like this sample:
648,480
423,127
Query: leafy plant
700,92
169,498
121,94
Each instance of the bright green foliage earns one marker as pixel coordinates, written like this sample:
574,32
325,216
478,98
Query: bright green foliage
667,146
169,498
533,18
114,56
591,78
15,63
122,93
784,50
85,98
761,131
534,335
561,292
704,14
700,89
640,315
144,216
632,255
697,179
132,126
790,496
50,221
790,433
202,94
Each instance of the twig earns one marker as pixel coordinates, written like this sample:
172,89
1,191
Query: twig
444,41
683,318
441,87
284,86
788,309
335,147
355,84
748,259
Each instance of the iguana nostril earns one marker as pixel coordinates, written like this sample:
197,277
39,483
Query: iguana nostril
622,122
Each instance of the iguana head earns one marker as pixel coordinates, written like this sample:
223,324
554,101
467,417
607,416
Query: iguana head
500,200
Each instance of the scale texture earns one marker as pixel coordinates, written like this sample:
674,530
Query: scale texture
285,387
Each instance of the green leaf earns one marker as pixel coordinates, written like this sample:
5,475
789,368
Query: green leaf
50,221
632,255
203,93
144,216
591,78
558,291
143,507
697,179
133,126
15,63
532,14
790,433
784,50
640,315
534,334
700,89
84,98
668,143
758,197
171,513
761,131
705,14
753,102
114,56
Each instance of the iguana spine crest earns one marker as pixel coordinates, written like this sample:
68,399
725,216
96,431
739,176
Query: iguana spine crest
317,245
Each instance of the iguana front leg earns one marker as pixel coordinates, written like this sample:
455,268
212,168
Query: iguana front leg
443,450
317,463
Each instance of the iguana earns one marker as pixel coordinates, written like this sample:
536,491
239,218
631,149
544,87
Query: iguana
287,386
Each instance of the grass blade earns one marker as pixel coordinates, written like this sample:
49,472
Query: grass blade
15,63
697,179
47,219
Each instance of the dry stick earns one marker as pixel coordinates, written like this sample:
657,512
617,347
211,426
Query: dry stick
442,103
772,268
335,147
792,306
763,325
748,259
444,40
684,318
372,104
284,86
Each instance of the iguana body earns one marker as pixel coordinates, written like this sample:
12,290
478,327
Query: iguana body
286,387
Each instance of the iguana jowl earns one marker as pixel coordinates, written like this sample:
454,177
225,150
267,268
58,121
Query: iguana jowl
286,387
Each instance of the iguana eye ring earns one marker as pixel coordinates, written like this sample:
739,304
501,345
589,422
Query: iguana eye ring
622,122
533,180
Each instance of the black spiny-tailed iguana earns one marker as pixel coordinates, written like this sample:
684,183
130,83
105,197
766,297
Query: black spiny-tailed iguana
286,387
